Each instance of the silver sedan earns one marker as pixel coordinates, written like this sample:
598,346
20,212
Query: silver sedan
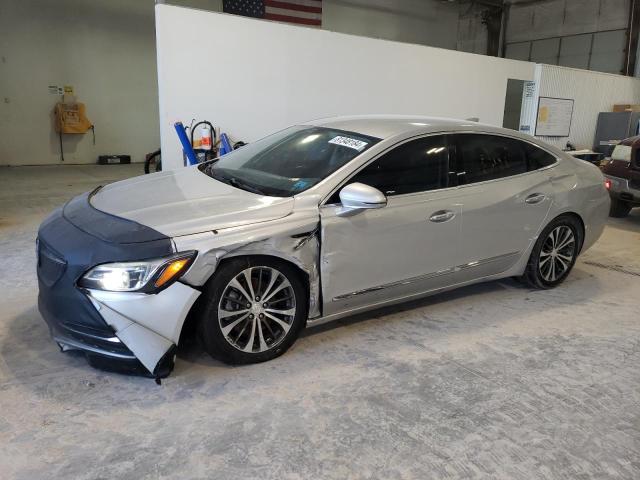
310,224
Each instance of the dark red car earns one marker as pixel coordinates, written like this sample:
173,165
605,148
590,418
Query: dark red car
622,177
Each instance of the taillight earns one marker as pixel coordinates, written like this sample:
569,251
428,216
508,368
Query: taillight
607,184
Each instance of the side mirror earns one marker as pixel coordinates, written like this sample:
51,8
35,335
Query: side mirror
356,196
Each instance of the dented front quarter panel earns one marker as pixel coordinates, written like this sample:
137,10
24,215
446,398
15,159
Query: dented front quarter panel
294,239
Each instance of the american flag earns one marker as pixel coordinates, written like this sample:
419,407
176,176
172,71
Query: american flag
302,12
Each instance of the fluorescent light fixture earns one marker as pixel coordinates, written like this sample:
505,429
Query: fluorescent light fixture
310,138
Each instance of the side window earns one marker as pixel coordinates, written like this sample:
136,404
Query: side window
537,158
416,166
488,157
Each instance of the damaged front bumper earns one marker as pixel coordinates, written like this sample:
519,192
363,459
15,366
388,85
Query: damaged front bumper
139,333
149,325
122,331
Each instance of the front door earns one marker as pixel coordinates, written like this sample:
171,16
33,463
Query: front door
407,247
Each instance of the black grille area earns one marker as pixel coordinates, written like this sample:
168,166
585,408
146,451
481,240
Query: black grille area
635,184
103,338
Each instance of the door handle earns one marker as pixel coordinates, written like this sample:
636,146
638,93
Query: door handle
535,198
442,216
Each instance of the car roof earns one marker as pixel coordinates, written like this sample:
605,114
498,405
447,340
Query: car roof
387,126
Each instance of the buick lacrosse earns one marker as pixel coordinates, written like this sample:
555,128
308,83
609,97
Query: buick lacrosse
310,224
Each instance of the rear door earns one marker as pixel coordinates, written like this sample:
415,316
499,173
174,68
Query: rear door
506,194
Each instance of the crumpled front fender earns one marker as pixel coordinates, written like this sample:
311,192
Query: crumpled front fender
294,239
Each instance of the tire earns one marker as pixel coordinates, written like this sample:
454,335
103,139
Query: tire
254,334
153,162
549,265
619,208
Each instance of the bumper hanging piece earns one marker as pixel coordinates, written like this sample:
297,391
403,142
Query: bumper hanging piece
149,325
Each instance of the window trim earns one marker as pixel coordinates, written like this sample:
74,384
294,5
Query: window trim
452,161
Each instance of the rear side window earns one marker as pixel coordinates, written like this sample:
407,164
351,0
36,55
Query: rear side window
416,166
537,158
488,157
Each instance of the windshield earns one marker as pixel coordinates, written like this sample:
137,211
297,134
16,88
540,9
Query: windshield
288,162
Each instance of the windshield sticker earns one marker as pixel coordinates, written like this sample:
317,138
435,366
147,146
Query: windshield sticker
300,184
349,142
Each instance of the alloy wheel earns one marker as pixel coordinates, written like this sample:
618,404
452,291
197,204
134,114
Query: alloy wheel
556,255
257,309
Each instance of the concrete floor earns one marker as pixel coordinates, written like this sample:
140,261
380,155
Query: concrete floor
491,381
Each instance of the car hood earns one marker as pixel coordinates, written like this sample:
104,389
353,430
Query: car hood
186,201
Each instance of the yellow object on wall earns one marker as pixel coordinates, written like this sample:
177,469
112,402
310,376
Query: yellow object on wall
71,118
543,114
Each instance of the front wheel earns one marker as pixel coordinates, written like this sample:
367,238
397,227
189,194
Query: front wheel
554,253
254,310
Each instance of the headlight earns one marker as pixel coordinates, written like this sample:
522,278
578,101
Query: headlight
148,276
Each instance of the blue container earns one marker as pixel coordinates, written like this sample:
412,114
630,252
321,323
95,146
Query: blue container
186,144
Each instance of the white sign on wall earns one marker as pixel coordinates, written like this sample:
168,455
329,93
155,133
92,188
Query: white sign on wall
554,117
528,107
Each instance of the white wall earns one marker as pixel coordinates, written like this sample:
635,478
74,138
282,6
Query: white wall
592,92
270,75
105,50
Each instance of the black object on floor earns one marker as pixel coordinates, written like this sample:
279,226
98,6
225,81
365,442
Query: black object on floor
114,159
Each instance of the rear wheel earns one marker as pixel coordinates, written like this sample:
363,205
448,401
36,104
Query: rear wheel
619,208
254,310
555,253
